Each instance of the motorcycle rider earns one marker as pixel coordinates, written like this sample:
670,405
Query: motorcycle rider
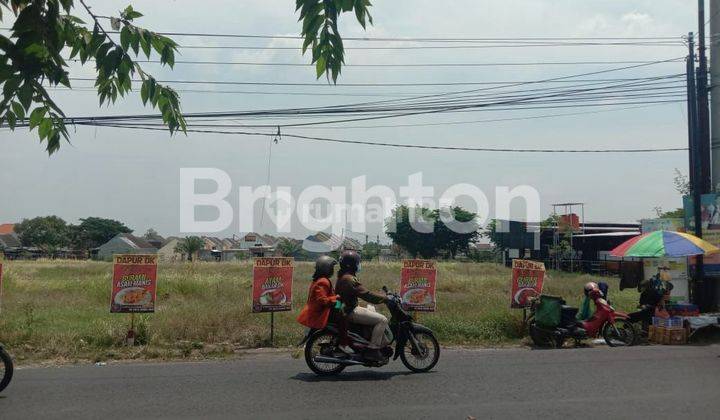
350,289
321,301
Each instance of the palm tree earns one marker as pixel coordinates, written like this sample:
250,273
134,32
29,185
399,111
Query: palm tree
191,245
289,247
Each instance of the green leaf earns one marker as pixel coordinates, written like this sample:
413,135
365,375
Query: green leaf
144,92
36,116
45,128
11,86
11,119
19,110
320,66
125,37
25,94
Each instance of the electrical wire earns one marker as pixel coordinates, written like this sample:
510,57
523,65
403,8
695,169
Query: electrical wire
408,146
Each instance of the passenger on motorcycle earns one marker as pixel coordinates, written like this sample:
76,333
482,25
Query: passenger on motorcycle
349,289
322,299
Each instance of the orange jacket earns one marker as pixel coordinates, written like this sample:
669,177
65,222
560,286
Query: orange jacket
321,299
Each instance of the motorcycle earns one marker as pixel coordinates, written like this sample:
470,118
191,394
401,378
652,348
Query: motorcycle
6,368
614,326
414,344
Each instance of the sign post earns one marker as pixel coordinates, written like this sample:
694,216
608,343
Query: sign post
417,285
134,287
272,287
527,282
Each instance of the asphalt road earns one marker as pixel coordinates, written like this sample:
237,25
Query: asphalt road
657,382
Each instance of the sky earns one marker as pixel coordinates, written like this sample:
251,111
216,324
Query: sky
134,176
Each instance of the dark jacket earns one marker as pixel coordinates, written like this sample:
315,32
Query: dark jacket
349,289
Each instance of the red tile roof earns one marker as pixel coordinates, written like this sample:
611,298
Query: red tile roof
6,228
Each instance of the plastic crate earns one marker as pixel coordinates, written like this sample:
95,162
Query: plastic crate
674,322
659,322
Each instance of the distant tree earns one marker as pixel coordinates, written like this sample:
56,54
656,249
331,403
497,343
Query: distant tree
413,230
460,230
47,233
95,231
152,235
288,247
370,251
190,246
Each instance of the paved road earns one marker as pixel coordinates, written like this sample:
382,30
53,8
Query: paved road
641,382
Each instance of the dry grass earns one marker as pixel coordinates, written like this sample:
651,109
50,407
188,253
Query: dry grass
59,310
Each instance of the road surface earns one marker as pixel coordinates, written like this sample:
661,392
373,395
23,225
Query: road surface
658,382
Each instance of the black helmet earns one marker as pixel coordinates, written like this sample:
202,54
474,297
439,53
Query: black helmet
349,261
324,267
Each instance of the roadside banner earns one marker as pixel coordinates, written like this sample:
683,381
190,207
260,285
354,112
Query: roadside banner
2,257
134,283
272,284
527,281
710,225
417,285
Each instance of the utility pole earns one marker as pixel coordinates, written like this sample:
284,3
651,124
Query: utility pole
703,133
715,112
704,184
715,93
698,292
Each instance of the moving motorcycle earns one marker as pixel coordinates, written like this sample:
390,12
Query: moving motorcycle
414,344
6,368
552,322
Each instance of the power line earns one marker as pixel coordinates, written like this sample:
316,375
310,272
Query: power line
407,146
384,65
425,39
369,84
437,47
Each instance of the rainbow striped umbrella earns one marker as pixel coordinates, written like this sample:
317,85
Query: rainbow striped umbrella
664,243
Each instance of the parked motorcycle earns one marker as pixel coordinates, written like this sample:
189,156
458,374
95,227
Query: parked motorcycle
413,343
6,368
552,322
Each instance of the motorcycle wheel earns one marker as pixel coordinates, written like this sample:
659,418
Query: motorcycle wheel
425,357
543,338
6,369
623,337
315,344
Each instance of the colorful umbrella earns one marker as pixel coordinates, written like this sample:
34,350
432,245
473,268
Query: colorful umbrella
664,243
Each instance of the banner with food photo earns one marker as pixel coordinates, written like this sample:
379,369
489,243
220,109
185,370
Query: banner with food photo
272,284
527,282
2,257
134,283
417,285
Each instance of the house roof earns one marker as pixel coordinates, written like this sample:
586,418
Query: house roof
134,241
9,241
6,228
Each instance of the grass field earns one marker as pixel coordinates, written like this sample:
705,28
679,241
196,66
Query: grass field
59,310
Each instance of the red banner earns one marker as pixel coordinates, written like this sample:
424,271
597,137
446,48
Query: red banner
134,283
417,285
272,284
527,282
1,278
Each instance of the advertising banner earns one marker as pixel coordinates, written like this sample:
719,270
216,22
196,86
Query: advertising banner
134,283
675,270
2,256
527,282
417,285
671,224
710,222
272,284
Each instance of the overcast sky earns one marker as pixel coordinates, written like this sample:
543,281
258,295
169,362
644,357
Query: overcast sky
133,176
